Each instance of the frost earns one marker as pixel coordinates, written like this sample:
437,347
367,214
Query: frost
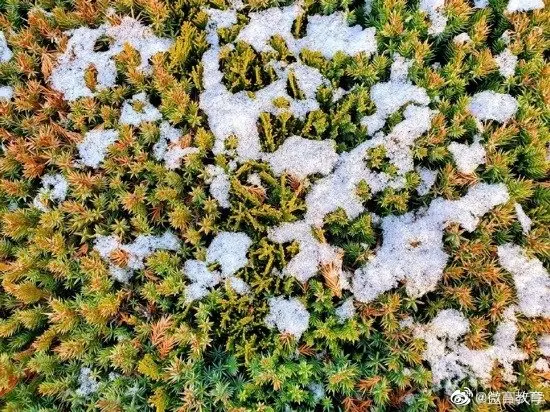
302,157
434,10
451,361
544,345
5,52
506,62
88,383
135,253
468,157
68,75
93,148
531,279
229,250
219,185
168,147
524,220
6,93
427,180
346,310
524,5
288,316
388,97
412,249
146,113
489,105
54,188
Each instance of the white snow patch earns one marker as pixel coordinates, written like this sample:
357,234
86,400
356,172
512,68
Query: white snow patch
531,279
451,361
489,105
68,75
288,316
88,384
412,249
427,180
462,38
302,157
542,365
54,188
147,112
168,147
219,185
140,249
228,249
93,148
544,345
6,93
524,5
388,97
5,52
481,4
468,157
506,62
346,310
434,10
523,219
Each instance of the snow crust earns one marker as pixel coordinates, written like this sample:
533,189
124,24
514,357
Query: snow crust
68,75
412,248
489,105
93,148
468,157
531,279
140,249
451,360
288,316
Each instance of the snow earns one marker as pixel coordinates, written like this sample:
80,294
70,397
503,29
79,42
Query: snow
229,250
219,185
88,384
54,188
346,310
388,97
254,179
524,5
222,18
5,52
489,105
462,38
468,157
451,360
147,112
140,249
93,148
434,10
6,93
531,280
544,345
302,157
481,4
68,75
506,62
412,248
288,316
168,147
523,219
427,180
542,365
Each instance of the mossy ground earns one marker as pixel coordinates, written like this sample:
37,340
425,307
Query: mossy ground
61,310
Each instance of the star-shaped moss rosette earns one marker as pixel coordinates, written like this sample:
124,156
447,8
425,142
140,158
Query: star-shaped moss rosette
273,206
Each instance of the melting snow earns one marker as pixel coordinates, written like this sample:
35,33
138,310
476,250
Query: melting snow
489,105
5,52
346,310
219,185
524,5
147,112
506,62
6,93
434,10
54,188
88,384
524,220
93,148
168,147
427,180
468,157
